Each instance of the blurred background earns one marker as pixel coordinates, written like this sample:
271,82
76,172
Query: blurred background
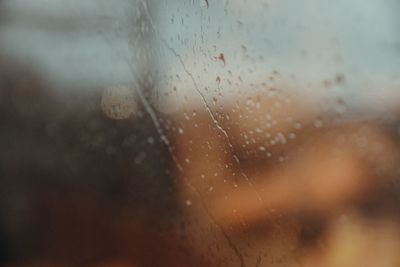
199,133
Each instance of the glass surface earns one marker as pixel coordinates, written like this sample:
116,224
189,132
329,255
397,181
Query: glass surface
252,133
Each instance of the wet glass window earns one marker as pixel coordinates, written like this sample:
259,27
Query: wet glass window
252,133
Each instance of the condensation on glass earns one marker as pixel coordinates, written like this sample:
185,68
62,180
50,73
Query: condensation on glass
199,133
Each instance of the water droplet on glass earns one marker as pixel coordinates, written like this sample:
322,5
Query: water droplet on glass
318,124
118,102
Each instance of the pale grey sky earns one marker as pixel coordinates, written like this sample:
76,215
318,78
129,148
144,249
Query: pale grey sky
87,42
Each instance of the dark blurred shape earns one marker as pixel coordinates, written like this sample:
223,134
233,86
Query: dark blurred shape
75,185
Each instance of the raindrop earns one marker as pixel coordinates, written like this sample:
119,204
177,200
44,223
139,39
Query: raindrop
291,135
318,124
297,125
281,138
118,102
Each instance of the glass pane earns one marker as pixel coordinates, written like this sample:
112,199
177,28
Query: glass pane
199,133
